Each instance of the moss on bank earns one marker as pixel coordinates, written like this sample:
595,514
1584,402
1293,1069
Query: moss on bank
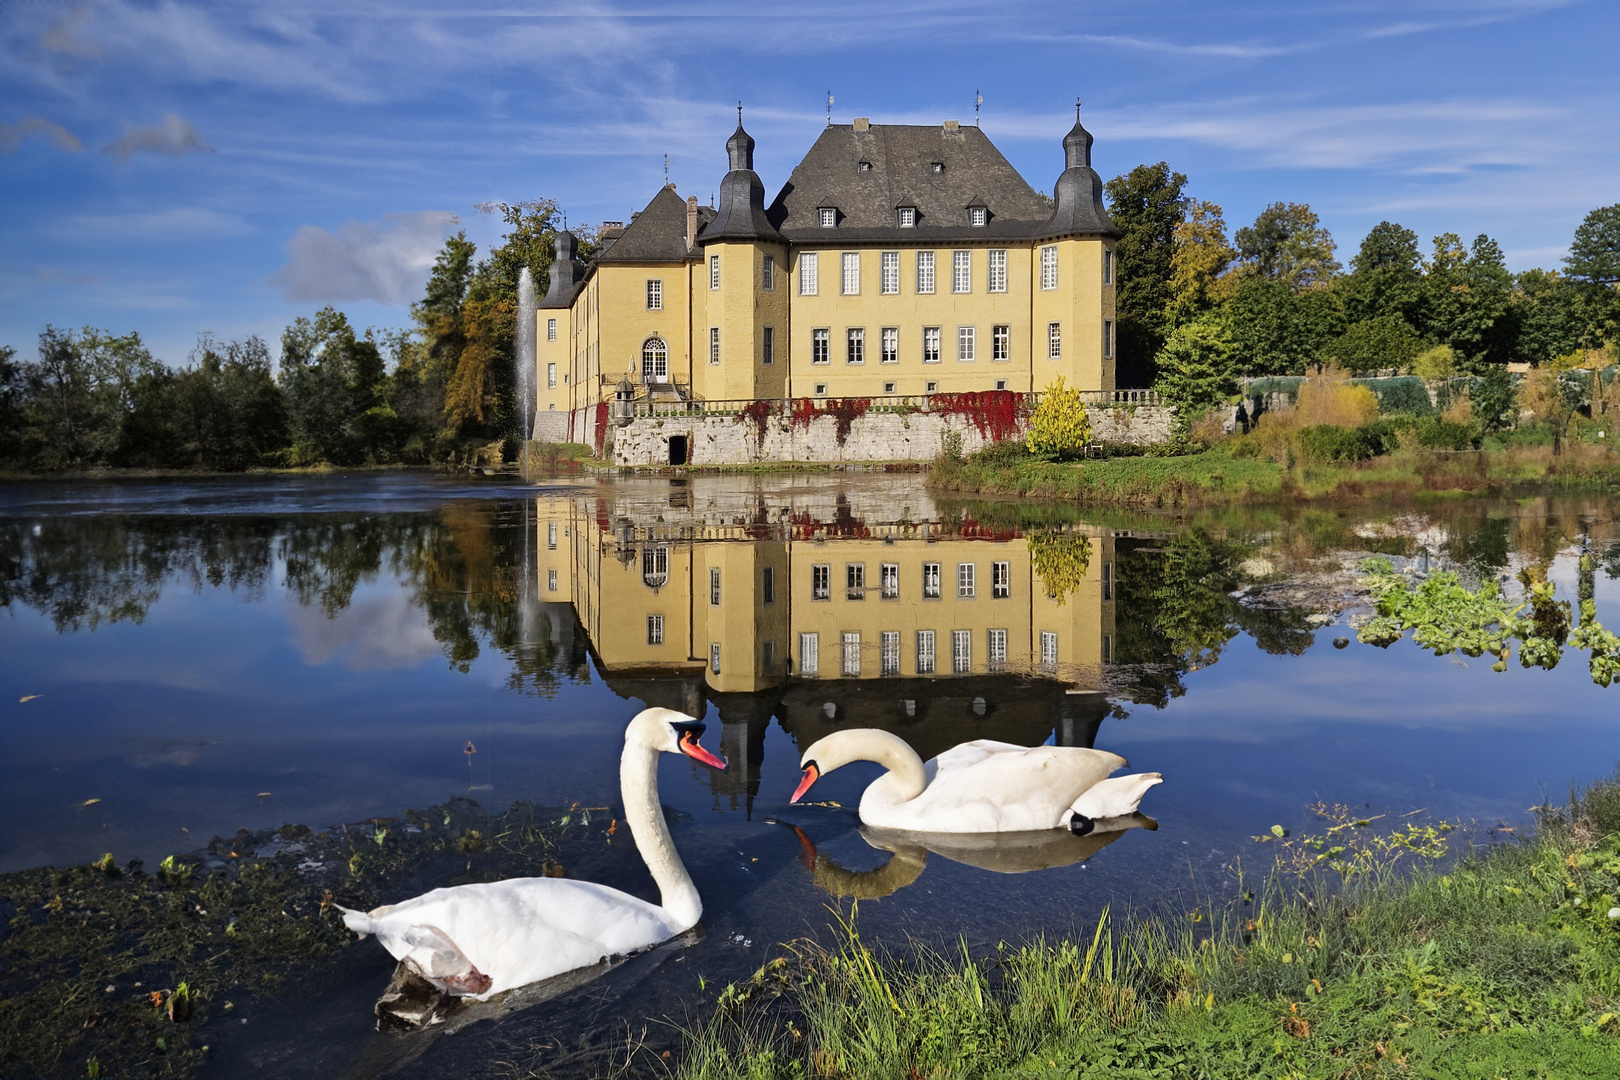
1216,477
1506,966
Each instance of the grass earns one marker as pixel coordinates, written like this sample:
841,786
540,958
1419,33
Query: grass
1506,966
1216,476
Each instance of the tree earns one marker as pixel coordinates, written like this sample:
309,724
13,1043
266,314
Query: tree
1468,293
1199,256
1287,243
1543,310
78,394
1147,204
1273,330
1594,254
1386,276
1195,366
1059,426
1385,341
335,387
13,393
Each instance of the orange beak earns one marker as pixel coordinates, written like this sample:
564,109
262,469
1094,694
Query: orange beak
690,747
811,775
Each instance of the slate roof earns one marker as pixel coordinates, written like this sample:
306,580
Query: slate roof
901,173
658,234
742,197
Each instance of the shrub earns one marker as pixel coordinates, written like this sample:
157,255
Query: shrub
1435,433
1059,427
1436,363
1372,344
1329,401
1404,394
1326,442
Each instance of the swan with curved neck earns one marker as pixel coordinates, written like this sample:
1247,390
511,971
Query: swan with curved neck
979,786
478,940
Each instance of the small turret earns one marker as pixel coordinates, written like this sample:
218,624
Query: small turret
566,272
1079,191
742,197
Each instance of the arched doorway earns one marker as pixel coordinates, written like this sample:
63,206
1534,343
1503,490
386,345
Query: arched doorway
677,449
654,361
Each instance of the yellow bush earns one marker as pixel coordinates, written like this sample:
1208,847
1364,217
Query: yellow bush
1329,401
1059,425
1437,363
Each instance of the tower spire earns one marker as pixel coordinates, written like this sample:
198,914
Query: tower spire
829,108
978,99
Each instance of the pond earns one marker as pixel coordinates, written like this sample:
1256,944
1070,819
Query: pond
183,660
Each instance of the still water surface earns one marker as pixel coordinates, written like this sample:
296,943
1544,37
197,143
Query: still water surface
209,656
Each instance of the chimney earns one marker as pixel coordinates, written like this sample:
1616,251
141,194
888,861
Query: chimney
951,126
691,222
863,123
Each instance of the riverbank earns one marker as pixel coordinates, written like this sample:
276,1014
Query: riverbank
1216,477
1504,966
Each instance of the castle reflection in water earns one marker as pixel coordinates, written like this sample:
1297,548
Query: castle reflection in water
830,606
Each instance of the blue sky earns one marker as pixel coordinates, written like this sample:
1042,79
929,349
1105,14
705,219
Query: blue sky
179,167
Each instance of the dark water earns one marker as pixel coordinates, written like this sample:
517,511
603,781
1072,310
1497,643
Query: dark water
238,654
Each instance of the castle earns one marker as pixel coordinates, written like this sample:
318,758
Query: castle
897,261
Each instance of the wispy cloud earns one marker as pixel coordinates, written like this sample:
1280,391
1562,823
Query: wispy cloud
154,226
12,135
386,261
176,136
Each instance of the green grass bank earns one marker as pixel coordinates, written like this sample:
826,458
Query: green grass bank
1349,963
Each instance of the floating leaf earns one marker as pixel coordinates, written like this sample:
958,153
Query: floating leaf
28,697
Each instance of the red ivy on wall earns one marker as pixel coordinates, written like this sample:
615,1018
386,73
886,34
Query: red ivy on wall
759,412
601,426
804,412
846,411
997,414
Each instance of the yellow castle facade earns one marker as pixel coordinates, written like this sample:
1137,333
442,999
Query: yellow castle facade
897,260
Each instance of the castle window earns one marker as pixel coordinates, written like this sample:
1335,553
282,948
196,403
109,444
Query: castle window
890,278
937,166
908,217
821,389
855,581
714,657
1108,649
1107,581
714,344
551,376
925,652
1108,337
1054,341
551,581
852,273
768,585
1000,343
930,346
655,295
1108,266
767,274
714,271
551,329
1000,580
890,345
961,651
820,345
1048,267
714,586
998,271
1001,384
767,346
852,653
654,566
930,581
855,345
965,587
965,343
1048,650
654,361
807,274
809,655
655,629
888,388
891,652
931,387
551,535
961,271
865,166
891,581
821,582
997,641
977,215
925,273
827,216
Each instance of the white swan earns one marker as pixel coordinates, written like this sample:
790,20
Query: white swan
979,786
478,940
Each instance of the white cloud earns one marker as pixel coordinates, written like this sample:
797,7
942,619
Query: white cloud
176,136
386,261
12,135
382,631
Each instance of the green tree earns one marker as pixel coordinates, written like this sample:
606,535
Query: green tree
1544,311
1594,254
1386,276
1200,256
77,395
13,394
1467,298
1273,330
1493,400
1288,243
1147,204
1195,366
335,390
1385,341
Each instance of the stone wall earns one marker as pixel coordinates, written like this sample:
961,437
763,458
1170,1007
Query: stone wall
876,436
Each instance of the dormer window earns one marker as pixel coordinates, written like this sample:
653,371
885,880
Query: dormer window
827,216
865,166
908,217
977,215
937,166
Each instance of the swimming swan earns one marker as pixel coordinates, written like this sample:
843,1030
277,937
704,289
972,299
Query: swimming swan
979,786
478,940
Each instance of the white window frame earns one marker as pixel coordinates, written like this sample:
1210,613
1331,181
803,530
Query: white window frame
889,662
551,581
714,271
889,273
996,649
850,280
655,565
655,630
551,536
827,216
654,360
809,265
966,342
855,345
855,581
966,580
655,294
767,273
714,344
889,578
821,345
925,273
931,581
925,652
996,264
961,652
907,217
551,329
961,271
1000,580
1000,343
809,655
767,346
931,345
821,581
1049,267
978,216
1054,341
889,345
714,586
1049,652
551,376
714,657
850,640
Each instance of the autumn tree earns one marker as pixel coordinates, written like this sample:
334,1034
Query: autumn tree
1288,243
1199,256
